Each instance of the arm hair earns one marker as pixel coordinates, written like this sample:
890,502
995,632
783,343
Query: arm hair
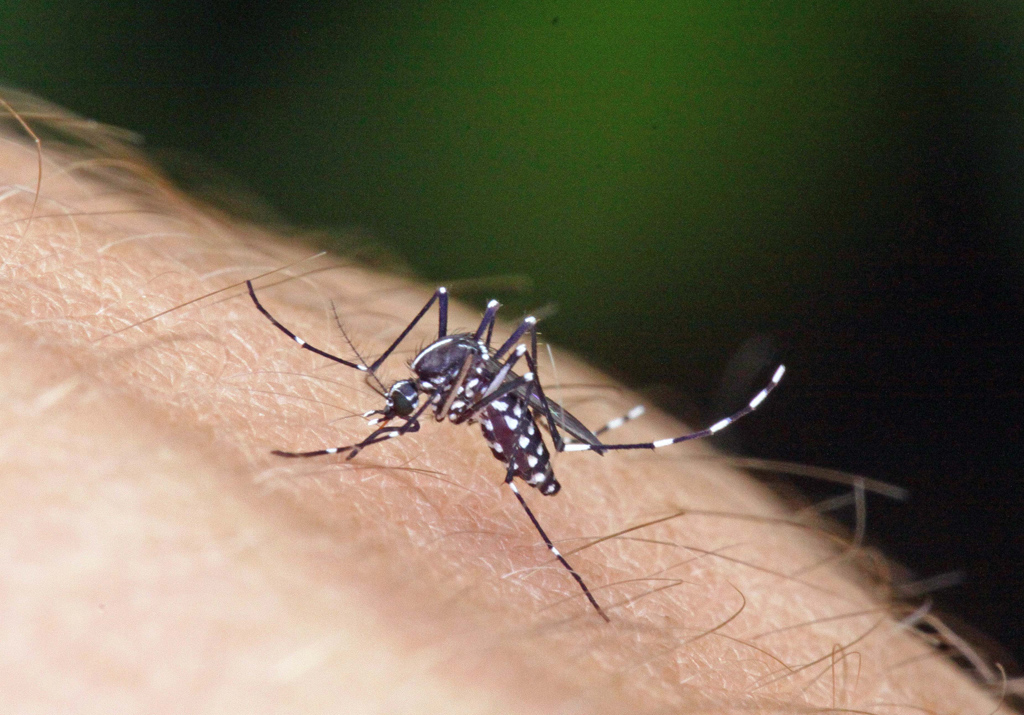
158,558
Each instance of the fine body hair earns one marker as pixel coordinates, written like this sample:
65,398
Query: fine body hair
159,557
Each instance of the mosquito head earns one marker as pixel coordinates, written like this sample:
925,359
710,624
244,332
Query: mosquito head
403,398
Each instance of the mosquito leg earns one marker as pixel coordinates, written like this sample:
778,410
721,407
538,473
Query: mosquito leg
379,435
619,421
495,396
717,427
529,323
634,413
441,296
487,323
556,437
500,390
453,391
510,481
554,551
505,370
302,343
376,437
490,334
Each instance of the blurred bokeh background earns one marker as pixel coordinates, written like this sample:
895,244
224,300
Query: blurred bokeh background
701,188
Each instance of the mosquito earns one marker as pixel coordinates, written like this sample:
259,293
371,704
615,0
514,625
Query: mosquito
461,377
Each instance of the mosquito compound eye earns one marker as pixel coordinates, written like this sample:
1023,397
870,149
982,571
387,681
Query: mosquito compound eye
403,397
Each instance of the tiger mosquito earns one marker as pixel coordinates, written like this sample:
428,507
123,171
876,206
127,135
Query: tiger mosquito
462,378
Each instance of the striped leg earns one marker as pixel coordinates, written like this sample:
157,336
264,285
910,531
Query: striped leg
508,387
517,354
440,296
531,360
456,388
529,323
487,323
554,551
619,421
510,481
498,387
637,411
717,427
381,434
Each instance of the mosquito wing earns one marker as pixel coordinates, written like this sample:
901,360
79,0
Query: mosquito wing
564,420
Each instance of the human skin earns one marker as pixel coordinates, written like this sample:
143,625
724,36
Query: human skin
155,557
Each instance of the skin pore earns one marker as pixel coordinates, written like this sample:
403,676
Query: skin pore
158,558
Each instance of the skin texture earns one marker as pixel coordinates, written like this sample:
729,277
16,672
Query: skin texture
157,558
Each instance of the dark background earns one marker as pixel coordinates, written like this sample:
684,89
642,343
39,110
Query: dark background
701,188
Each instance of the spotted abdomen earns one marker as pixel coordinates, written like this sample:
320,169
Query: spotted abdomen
515,439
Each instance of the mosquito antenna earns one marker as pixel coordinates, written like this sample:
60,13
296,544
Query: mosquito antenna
372,373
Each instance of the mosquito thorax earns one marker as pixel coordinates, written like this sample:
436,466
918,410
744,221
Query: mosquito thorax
444,358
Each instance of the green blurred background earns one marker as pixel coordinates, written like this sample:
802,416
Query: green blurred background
701,188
